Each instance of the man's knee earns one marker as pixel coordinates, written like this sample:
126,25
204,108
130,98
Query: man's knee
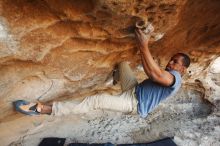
123,63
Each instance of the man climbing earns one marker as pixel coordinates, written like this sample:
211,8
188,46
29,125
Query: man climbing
135,98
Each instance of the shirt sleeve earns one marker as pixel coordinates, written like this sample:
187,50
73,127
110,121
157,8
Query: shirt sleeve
177,78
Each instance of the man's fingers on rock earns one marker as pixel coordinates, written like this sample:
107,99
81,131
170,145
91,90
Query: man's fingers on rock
138,35
136,32
141,35
140,32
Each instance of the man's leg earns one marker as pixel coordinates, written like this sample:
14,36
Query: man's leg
126,77
126,103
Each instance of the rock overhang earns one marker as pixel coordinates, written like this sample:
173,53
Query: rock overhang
67,49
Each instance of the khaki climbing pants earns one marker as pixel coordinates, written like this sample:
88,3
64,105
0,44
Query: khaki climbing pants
126,102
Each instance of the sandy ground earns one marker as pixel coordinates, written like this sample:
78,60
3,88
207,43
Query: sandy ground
189,119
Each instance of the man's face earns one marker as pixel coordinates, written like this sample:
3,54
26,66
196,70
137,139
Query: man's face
176,63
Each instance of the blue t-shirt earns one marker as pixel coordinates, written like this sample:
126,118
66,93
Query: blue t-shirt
149,93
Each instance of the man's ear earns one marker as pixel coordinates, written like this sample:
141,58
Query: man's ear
184,70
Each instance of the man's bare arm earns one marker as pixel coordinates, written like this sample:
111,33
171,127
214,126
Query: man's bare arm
151,68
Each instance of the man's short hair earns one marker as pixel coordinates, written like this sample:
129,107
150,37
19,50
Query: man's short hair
186,59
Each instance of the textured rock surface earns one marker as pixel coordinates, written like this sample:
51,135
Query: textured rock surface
65,49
